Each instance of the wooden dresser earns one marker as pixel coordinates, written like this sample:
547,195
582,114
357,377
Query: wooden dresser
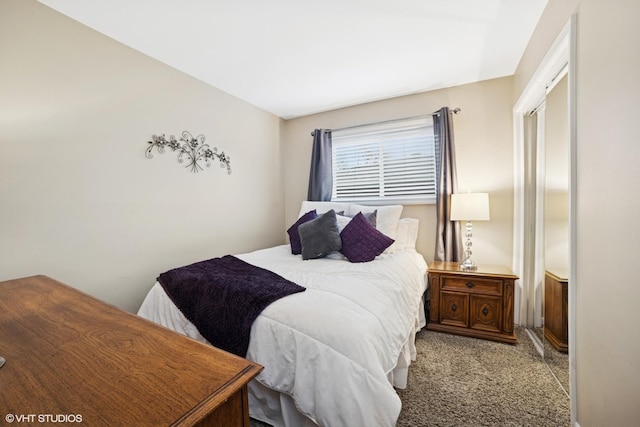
556,309
70,355
473,303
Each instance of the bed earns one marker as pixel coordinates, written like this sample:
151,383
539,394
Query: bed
333,353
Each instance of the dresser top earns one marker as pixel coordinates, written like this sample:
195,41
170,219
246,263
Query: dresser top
560,274
68,353
483,269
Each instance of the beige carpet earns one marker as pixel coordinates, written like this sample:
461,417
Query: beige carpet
459,381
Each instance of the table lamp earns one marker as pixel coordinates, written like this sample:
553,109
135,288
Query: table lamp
469,207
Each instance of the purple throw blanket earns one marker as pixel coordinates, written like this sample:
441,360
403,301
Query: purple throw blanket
223,296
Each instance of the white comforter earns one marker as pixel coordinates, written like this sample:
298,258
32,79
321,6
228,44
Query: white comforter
334,347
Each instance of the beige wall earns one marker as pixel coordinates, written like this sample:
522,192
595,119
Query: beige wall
484,150
608,204
607,349
78,199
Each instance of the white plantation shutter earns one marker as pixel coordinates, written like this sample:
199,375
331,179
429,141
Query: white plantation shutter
385,162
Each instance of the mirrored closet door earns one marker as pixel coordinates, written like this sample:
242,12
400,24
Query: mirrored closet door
547,221
544,216
555,229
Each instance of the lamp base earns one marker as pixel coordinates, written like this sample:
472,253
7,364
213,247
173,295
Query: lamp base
467,265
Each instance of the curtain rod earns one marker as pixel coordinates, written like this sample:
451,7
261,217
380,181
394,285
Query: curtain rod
454,111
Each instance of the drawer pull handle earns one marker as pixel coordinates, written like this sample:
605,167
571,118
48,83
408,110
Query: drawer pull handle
485,311
470,285
454,307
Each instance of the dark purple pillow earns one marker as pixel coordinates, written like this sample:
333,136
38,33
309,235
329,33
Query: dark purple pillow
361,241
294,237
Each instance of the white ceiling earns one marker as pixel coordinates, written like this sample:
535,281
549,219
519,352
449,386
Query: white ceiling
298,57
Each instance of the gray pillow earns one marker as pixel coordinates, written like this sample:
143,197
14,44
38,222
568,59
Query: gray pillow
372,217
319,237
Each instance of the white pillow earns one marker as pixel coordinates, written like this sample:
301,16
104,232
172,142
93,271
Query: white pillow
342,222
322,207
386,219
406,234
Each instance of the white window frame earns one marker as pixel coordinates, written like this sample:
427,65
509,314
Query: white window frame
391,162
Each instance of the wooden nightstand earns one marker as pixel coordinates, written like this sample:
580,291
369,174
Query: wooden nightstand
473,303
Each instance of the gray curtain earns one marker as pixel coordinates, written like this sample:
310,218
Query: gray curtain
448,235
320,175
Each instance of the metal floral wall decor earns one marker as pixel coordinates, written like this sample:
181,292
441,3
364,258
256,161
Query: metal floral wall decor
191,149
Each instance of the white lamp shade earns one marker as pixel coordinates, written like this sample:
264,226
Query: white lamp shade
470,207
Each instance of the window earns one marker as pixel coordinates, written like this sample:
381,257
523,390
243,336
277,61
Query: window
385,162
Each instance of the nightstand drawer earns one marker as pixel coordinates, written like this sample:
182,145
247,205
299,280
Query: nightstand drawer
486,313
454,309
471,285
